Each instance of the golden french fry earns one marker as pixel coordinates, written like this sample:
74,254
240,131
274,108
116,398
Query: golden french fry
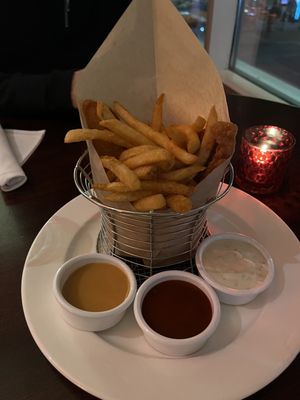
111,176
79,135
99,110
125,175
146,172
117,186
182,173
176,136
91,120
103,111
178,164
191,137
107,149
154,166
157,115
133,151
166,165
224,133
163,130
154,136
179,203
199,124
128,196
89,110
209,140
154,156
150,203
126,132
107,113
166,187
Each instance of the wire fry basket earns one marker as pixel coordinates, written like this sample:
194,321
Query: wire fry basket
149,241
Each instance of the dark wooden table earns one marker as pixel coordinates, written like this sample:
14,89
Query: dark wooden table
25,372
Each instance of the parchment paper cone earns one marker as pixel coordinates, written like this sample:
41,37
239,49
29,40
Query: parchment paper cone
151,50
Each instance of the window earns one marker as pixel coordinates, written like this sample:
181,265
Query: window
266,47
195,14
255,44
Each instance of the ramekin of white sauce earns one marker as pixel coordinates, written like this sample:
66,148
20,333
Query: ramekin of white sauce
236,266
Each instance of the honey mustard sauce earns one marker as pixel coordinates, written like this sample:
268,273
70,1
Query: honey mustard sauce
96,287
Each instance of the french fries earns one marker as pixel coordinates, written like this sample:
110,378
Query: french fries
179,203
80,135
224,134
103,111
150,203
126,132
208,140
153,135
147,171
128,196
89,109
153,166
134,151
199,124
91,120
182,174
153,186
157,115
176,136
154,156
128,177
190,136
116,187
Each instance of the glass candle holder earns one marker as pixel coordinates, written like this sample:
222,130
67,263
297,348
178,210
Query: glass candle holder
263,159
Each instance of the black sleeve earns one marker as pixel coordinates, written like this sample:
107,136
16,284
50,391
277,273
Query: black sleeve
23,94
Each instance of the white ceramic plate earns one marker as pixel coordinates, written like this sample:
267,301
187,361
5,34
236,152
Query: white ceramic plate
252,345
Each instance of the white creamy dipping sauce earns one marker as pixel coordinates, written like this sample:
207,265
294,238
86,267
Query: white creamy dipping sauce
235,264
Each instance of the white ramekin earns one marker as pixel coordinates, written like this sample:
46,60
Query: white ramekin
170,346
90,320
226,294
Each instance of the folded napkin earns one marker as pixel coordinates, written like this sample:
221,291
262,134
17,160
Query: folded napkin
16,146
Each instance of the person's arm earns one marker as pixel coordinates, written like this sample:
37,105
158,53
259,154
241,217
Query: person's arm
35,94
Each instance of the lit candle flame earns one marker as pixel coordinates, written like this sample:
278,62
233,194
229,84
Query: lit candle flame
264,147
273,131
261,155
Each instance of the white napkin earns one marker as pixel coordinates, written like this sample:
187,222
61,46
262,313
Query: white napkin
16,146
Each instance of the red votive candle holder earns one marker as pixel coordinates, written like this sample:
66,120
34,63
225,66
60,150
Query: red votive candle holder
264,154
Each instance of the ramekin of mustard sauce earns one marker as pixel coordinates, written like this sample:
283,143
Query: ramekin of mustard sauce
94,291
